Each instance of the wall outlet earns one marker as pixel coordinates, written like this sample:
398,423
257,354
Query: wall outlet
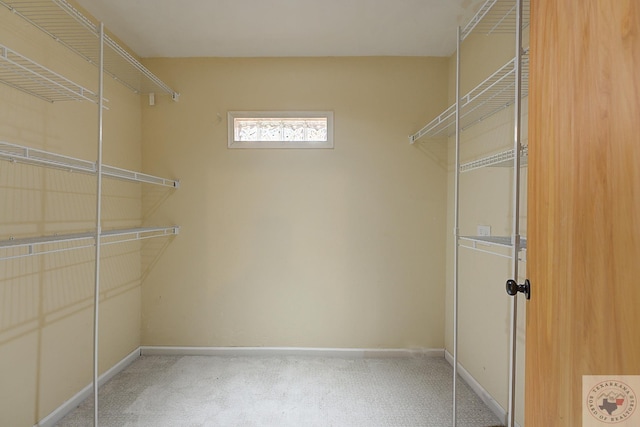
484,230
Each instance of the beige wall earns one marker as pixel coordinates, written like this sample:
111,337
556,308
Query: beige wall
46,315
308,248
486,198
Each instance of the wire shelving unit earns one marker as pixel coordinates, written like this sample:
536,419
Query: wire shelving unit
21,247
496,17
28,76
40,245
65,24
21,154
503,159
492,244
505,87
70,28
494,94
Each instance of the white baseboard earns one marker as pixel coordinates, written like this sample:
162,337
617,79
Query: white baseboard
484,395
290,351
68,406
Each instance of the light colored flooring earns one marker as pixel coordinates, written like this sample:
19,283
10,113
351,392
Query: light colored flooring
300,391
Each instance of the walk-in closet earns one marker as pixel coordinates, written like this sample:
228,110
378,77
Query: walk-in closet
295,213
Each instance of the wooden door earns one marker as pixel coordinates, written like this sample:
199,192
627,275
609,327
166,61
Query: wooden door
584,202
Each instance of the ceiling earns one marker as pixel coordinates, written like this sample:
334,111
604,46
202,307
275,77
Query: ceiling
257,28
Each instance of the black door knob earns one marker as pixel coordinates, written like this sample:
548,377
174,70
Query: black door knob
513,288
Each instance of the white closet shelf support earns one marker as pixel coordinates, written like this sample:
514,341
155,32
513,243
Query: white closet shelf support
492,95
502,159
68,26
20,154
28,76
29,246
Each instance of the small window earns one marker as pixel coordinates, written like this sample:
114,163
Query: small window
278,129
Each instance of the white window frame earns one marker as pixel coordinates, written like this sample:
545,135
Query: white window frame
232,143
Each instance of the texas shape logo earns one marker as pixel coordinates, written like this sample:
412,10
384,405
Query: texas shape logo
611,401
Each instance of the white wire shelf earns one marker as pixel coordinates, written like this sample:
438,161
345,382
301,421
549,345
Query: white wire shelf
498,160
19,248
492,95
485,243
67,25
28,76
21,154
496,17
